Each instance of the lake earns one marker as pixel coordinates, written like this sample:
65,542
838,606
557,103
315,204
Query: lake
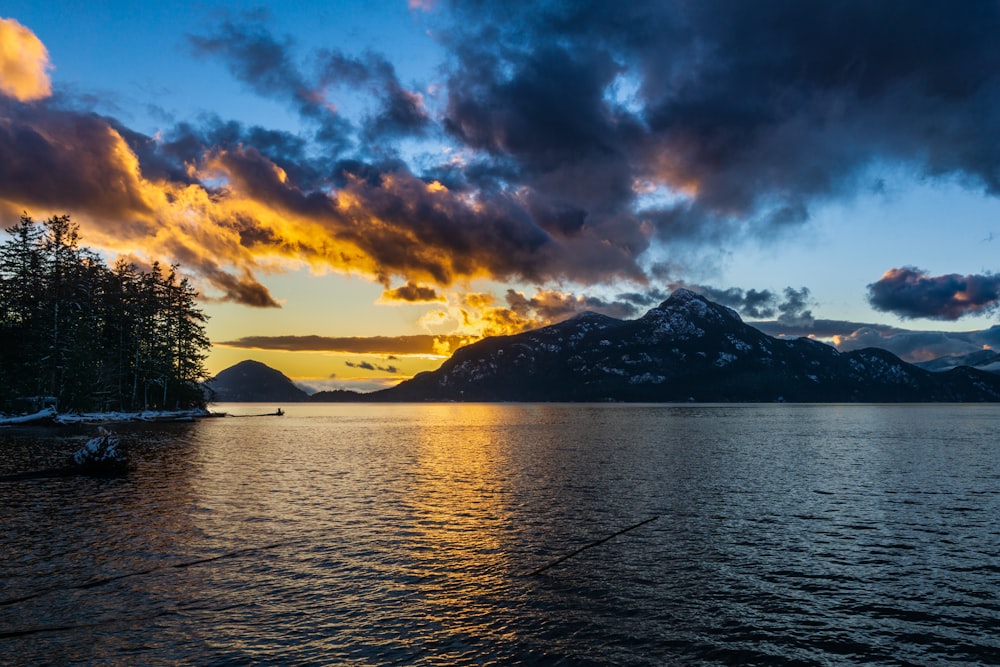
433,535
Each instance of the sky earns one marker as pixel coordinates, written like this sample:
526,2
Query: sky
358,188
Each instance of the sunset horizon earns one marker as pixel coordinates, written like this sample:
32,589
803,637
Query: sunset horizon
455,332
357,191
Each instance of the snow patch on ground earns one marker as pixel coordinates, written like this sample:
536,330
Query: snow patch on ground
145,415
725,359
740,344
50,414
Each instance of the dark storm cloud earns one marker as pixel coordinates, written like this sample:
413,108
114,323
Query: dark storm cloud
400,112
412,293
427,232
910,293
547,127
188,142
646,299
57,160
266,64
51,155
793,308
464,229
546,307
759,304
756,110
241,289
584,133
749,303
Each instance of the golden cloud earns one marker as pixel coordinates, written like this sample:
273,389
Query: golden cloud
229,214
475,315
466,318
24,63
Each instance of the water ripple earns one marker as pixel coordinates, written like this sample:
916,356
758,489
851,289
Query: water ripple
402,535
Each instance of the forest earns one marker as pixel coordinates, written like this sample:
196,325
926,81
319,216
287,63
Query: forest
80,335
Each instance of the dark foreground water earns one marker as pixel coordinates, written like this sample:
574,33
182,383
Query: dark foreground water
372,535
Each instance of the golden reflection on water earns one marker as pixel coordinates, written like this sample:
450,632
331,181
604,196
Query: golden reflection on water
462,499
461,494
268,474
406,534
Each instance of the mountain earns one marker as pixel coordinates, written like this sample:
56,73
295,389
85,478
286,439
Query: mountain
253,382
984,360
686,349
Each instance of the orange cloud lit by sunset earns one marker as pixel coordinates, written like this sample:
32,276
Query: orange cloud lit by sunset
238,215
24,63
423,169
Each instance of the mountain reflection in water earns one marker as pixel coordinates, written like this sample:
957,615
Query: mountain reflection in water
407,534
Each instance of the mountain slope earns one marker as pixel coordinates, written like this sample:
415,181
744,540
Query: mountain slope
686,349
253,382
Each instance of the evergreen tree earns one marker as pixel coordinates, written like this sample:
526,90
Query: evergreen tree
21,291
94,337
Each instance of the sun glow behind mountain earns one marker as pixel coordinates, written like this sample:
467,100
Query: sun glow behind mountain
439,172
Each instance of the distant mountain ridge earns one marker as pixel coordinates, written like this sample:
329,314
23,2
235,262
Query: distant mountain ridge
686,349
251,381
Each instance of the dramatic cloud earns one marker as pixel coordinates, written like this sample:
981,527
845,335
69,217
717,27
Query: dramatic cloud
240,289
401,112
56,161
586,144
266,65
646,299
475,315
752,303
24,63
793,309
411,293
379,222
552,306
745,113
912,293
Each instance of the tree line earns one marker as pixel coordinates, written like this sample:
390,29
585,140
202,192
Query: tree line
93,337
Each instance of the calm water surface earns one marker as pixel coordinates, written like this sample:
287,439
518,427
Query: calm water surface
373,535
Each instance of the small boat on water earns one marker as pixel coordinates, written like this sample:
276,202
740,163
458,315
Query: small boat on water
277,413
